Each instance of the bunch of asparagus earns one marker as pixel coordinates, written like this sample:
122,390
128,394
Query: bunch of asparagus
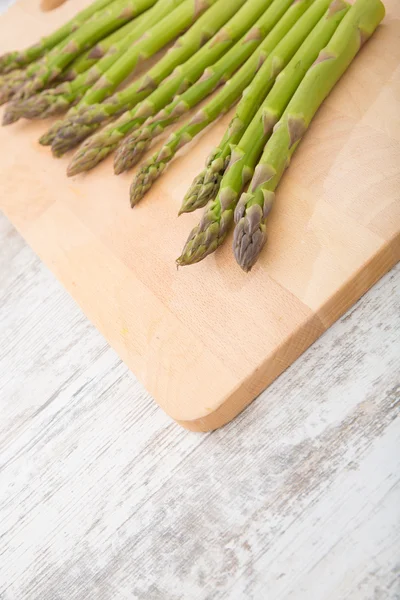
276,59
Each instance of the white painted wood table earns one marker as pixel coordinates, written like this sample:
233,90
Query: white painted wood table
103,497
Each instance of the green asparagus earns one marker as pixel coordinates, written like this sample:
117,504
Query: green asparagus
206,185
253,208
106,141
215,224
69,133
52,64
57,100
89,58
18,59
130,152
11,82
260,85
222,41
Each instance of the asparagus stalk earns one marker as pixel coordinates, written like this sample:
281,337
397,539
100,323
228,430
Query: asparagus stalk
11,82
69,133
218,217
89,58
130,152
260,85
222,41
124,64
59,99
18,59
106,141
253,208
206,185
119,13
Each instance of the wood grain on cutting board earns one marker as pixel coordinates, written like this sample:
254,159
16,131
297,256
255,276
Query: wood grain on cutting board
206,340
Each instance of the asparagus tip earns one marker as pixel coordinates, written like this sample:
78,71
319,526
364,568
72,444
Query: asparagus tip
10,116
119,165
74,168
128,155
46,139
135,196
249,237
183,261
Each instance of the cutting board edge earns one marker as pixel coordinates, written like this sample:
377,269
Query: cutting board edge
264,374
370,273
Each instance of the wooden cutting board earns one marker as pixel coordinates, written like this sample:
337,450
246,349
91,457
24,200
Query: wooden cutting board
207,339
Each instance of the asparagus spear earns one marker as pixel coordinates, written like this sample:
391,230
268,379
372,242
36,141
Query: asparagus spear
58,99
10,83
218,217
89,58
253,208
16,59
115,68
102,144
119,13
70,133
120,102
129,153
206,185
254,95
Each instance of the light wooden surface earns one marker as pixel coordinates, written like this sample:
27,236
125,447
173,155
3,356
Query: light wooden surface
102,497
206,340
